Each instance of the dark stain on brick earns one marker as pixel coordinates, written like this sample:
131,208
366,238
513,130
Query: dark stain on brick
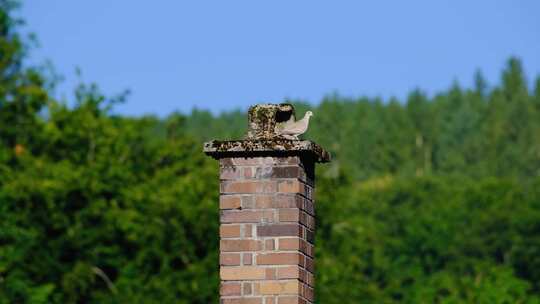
279,230
264,172
287,172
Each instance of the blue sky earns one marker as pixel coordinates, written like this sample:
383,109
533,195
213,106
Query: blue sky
222,55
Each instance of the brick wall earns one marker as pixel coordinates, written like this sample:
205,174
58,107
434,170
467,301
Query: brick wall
267,230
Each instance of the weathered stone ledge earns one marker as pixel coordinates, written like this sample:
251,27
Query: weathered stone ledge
276,146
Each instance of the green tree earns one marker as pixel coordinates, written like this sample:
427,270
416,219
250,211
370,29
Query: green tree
428,200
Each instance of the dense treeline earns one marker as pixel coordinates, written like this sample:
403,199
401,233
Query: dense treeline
429,200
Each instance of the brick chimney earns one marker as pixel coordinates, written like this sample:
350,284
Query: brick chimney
267,212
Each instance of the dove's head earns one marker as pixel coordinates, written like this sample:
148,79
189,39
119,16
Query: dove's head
309,114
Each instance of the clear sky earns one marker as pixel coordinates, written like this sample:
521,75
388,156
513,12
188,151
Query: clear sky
221,55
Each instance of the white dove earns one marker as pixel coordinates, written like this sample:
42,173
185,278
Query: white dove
291,129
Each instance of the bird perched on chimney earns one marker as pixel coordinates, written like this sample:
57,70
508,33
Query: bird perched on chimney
292,129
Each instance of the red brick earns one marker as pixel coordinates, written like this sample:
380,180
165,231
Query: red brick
290,300
247,259
310,279
248,187
291,186
235,273
309,250
269,245
247,216
308,293
289,215
307,220
308,206
289,244
248,230
310,265
289,272
303,246
230,289
280,287
240,245
264,201
267,201
279,259
241,301
270,274
229,202
229,259
229,231
248,172
248,201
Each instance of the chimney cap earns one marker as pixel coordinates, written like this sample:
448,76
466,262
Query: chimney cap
269,147
263,139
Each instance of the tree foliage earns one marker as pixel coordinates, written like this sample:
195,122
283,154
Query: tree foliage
433,199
